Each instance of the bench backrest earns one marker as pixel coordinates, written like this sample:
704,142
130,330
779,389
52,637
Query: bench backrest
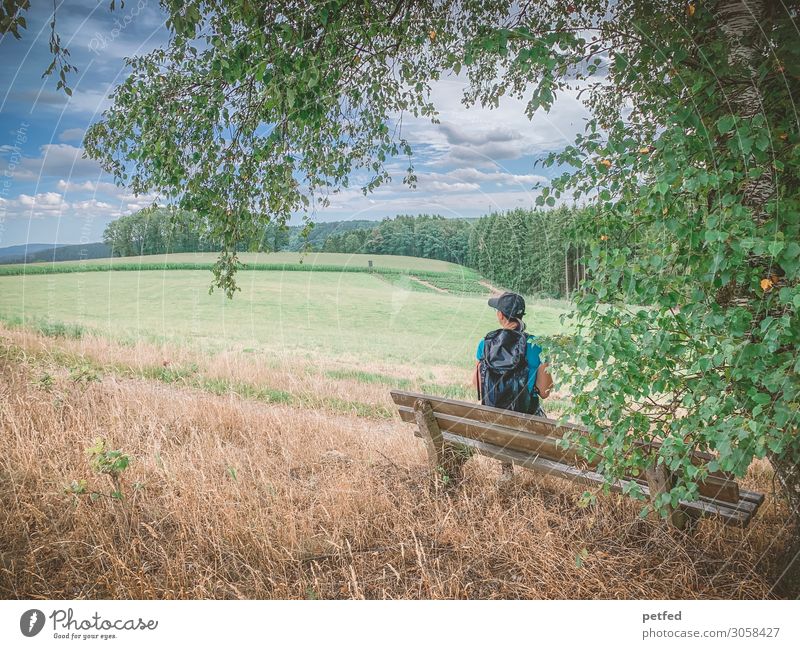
536,435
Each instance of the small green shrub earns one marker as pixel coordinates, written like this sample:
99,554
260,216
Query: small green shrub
60,329
84,372
110,463
45,382
368,377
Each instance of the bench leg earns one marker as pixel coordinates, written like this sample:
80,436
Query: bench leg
690,521
446,460
659,480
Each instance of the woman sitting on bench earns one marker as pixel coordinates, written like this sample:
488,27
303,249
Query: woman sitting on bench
509,371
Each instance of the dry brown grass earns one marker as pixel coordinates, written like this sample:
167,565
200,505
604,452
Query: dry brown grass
303,378
322,505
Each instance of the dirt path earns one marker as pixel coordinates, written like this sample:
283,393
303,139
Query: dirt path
491,287
428,284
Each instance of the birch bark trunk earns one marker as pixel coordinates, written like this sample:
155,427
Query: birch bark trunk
744,25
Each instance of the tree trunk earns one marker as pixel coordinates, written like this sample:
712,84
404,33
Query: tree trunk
787,472
742,23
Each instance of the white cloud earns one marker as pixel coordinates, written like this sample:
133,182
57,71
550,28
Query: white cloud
437,193
477,137
72,135
468,174
437,185
123,197
44,200
37,206
93,186
464,203
114,202
485,154
93,205
60,160
68,186
482,137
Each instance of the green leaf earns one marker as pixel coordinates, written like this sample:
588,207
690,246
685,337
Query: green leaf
775,247
725,124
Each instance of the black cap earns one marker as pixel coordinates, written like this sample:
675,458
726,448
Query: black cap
510,305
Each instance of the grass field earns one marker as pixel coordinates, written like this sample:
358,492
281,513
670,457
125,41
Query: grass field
267,459
353,317
284,335
288,259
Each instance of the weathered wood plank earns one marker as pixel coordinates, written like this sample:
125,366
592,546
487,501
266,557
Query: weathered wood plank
487,414
444,459
517,420
505,436
533,442
729,515
752,497
499,435
429,431
742,504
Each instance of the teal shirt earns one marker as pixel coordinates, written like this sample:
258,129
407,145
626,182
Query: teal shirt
533,354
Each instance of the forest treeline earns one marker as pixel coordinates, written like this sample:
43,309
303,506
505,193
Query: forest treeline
525,250
152,232
428,236
534,252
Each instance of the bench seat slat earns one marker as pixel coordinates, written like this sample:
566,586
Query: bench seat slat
742,504
487,414
517,421
498,435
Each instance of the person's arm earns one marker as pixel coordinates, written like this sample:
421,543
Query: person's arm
476,373
544,380
476,383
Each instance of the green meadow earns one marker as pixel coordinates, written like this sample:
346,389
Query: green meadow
332,312
288,260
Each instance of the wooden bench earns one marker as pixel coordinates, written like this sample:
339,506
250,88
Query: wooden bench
453,430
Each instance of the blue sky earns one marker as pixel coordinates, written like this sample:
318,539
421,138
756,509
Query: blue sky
473,162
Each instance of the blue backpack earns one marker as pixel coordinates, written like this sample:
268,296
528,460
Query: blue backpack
503,372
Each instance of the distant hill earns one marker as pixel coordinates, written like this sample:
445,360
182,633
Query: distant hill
51,252
23,249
